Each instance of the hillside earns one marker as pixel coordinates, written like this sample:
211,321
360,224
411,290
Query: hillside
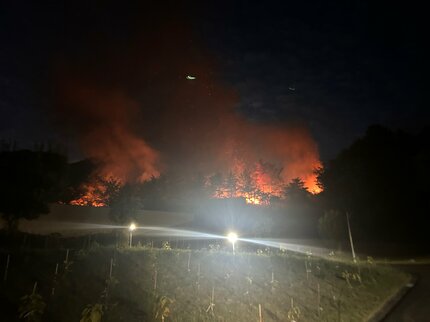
183,285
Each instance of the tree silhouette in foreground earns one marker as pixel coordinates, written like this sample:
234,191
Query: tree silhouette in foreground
29,181
382,181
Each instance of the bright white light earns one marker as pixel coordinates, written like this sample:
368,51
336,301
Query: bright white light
132,227
232,237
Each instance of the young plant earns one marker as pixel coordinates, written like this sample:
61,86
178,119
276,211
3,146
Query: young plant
92,313
32,306
67,264
162,307
212,303
293,314
350,276
214,247
166,245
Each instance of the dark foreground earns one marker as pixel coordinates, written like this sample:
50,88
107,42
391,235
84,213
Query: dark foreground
415,306
143,284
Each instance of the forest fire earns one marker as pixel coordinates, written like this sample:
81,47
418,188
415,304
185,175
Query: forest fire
257,185
94,196
141,123
98,191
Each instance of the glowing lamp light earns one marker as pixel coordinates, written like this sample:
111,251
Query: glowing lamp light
131,228
232,238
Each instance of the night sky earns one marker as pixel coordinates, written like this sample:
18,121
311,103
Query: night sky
334,67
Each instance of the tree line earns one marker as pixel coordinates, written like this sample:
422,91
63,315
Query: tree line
381,180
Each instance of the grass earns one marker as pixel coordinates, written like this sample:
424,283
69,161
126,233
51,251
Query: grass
178,285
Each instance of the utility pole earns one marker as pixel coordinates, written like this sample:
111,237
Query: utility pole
350,238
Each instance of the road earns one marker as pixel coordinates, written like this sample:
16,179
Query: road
415,305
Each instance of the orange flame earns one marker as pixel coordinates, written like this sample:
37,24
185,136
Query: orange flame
263,182
94,196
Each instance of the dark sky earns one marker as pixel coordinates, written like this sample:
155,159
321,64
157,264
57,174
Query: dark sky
333,66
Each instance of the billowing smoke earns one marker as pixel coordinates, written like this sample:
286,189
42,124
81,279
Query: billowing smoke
135,112
104,121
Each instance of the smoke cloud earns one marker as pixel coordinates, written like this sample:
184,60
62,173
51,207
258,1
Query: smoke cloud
134,111
104,122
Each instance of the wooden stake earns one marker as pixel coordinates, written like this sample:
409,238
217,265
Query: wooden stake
319,299
189,259
110,270
55,279
67,257
34,288
212,304
260,314
307,271
198,276
7,268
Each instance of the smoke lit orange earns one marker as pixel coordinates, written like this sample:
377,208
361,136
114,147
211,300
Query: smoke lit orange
136,114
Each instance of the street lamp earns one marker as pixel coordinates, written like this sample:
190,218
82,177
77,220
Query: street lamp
232,238
131,228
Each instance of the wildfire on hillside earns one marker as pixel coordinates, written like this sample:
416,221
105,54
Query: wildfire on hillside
257,185
94,196
98,191
134,112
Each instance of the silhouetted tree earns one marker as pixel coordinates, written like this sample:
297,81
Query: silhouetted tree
154,193
295,191
78,174
125,204
300,209
382,181
215,185
28,182
248,186
111,190
231,185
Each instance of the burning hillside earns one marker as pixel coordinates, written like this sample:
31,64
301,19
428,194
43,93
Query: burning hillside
135,113
257,185
93,195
